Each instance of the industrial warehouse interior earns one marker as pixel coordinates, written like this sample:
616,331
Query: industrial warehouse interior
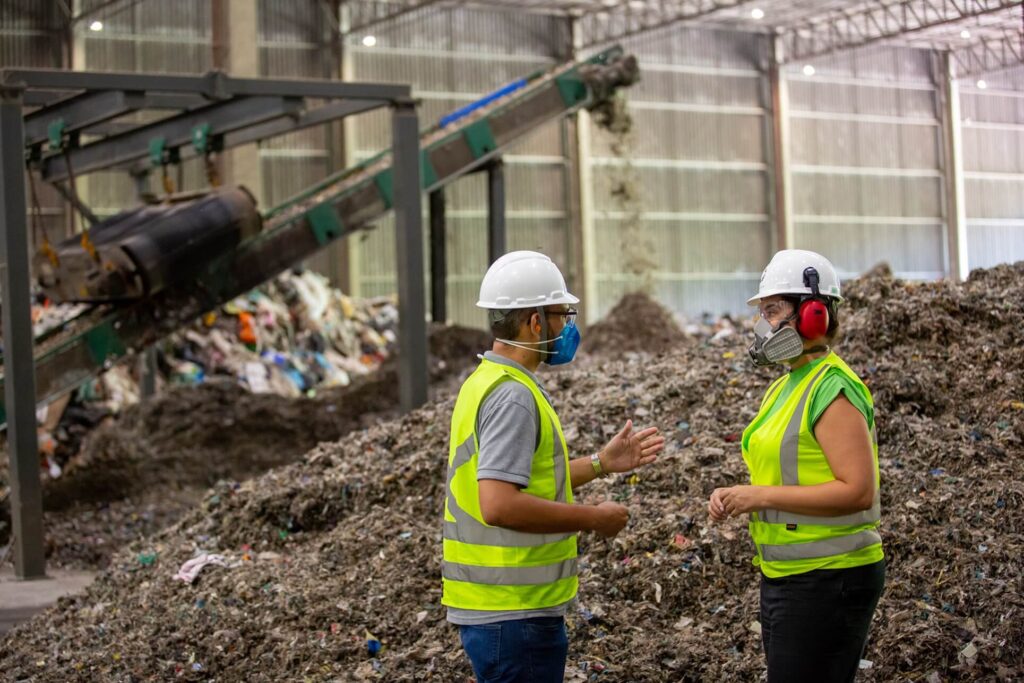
509,340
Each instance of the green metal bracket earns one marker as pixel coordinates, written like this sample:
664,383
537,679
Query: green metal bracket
428,176
104,344
572,88
480,138
201,138
324,222
386,186
55,132
157,148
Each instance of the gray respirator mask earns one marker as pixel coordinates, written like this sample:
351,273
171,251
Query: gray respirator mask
775,344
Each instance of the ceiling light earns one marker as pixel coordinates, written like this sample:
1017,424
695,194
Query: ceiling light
369,41
757,13
96,25
965,34
808,70
982,84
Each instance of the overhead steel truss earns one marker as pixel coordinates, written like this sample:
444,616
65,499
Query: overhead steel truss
622,20
878,21
364,14
990,54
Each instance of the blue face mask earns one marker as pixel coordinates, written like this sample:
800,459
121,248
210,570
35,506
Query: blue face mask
564,347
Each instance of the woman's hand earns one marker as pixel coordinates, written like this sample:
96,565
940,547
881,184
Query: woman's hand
716,509
740,500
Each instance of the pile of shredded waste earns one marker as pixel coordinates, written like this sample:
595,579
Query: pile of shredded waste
139,471
328,568
619,331
291,337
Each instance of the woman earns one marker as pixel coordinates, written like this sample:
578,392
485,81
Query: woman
813,500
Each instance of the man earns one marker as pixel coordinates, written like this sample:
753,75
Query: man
510,523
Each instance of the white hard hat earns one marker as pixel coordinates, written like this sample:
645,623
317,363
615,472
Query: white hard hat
785,275
523,279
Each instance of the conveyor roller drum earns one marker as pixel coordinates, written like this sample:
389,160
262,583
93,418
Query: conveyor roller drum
140,252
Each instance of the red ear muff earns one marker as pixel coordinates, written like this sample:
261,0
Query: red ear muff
812,319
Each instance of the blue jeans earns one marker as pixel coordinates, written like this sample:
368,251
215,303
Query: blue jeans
521,650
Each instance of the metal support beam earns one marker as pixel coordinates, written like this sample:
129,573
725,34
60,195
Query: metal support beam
626,19
585,196
176,132
842,29
412,323
147,373
990,54
214,85
77,203
956,207
781,177
306,119
438,259
80,112
366,14
19,365
496,228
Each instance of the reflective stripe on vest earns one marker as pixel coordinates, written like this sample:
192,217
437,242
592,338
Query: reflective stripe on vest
509,576
780,448
789,455
823,548
492,568
468,530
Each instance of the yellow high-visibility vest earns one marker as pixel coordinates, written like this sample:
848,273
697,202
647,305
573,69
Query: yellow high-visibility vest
491,568
780,450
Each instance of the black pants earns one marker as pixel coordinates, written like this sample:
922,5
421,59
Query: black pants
814,625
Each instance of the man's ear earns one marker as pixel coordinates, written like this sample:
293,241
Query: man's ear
535,317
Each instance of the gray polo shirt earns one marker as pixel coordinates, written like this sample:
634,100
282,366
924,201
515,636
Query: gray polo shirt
508,427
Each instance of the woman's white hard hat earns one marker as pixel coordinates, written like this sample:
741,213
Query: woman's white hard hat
785,275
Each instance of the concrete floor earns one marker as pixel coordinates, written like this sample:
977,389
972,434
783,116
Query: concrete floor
19,600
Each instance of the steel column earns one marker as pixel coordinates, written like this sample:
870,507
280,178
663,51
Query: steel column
496,229
956,204
438,259
147,373
784,233
585,187
412,324
19,366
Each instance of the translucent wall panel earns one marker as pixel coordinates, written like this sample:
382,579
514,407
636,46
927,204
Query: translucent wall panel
294,41
170,36
30,36
866,156
699,165
451,57
993,151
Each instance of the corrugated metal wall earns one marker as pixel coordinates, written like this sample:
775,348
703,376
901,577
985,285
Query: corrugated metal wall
702,163
452,57
32,34
866,153
295,41
170,36
865,144
993,150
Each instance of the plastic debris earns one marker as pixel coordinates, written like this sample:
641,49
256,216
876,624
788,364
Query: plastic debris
146,559
189,571
345,515
373,646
